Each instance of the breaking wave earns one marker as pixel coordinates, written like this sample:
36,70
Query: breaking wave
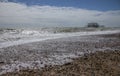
11,37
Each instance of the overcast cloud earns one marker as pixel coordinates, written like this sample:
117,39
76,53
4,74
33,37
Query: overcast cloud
21,14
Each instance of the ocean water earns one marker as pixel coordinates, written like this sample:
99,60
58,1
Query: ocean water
18,36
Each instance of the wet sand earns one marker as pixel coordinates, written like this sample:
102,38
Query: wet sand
73,56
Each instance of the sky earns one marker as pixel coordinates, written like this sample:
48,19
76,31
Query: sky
59,12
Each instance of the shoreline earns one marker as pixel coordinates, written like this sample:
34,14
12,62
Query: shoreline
71,46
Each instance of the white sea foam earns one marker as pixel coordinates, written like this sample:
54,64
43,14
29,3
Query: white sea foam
28,36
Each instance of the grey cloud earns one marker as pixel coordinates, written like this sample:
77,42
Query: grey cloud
17,14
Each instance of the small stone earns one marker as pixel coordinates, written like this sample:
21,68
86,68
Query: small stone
1,62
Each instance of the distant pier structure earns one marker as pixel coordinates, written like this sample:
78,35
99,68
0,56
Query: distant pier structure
95,25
